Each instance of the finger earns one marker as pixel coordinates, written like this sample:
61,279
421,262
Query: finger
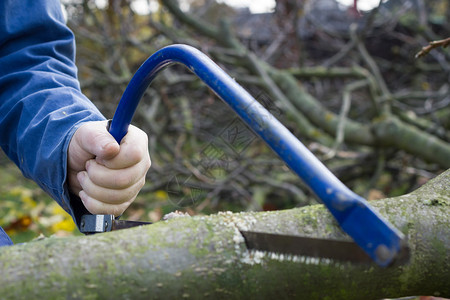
95,206
106,195
74,184
133,149
94,138
116,179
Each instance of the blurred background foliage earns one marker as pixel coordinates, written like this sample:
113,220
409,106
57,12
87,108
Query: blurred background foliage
355,65
27,212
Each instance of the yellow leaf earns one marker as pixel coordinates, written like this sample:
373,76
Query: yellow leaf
58,210
28,201
161,195
16,191
65,225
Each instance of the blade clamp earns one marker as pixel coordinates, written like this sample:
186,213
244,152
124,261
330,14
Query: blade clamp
96,223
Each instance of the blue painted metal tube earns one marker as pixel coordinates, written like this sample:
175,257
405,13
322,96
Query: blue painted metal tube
368,229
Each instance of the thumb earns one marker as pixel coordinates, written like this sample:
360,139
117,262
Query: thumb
94,138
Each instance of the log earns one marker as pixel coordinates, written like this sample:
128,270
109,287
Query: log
205,257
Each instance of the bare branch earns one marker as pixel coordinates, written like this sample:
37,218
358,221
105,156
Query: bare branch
432,45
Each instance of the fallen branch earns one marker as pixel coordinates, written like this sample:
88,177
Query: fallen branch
206,257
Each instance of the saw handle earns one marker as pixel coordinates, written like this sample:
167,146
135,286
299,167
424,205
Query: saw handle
379,239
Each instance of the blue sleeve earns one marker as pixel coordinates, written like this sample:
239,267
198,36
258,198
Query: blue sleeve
41,104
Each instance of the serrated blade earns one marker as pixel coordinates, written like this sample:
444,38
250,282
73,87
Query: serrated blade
123,224
306,246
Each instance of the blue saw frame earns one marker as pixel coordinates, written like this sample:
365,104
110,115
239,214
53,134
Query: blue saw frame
375,235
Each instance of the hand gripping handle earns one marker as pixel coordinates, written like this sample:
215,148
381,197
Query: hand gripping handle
377,237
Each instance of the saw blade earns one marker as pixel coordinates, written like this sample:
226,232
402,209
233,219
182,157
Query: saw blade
123,224
306,246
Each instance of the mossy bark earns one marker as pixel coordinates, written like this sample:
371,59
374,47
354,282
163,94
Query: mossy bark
205,258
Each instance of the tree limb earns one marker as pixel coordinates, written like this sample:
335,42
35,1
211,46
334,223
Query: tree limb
391,132
206,257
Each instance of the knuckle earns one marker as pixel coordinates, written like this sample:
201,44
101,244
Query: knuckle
117,210
138,147
140,184
134,155
148,162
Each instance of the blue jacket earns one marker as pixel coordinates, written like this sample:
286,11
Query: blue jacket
41,104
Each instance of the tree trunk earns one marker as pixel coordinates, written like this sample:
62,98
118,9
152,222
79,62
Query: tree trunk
205,257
